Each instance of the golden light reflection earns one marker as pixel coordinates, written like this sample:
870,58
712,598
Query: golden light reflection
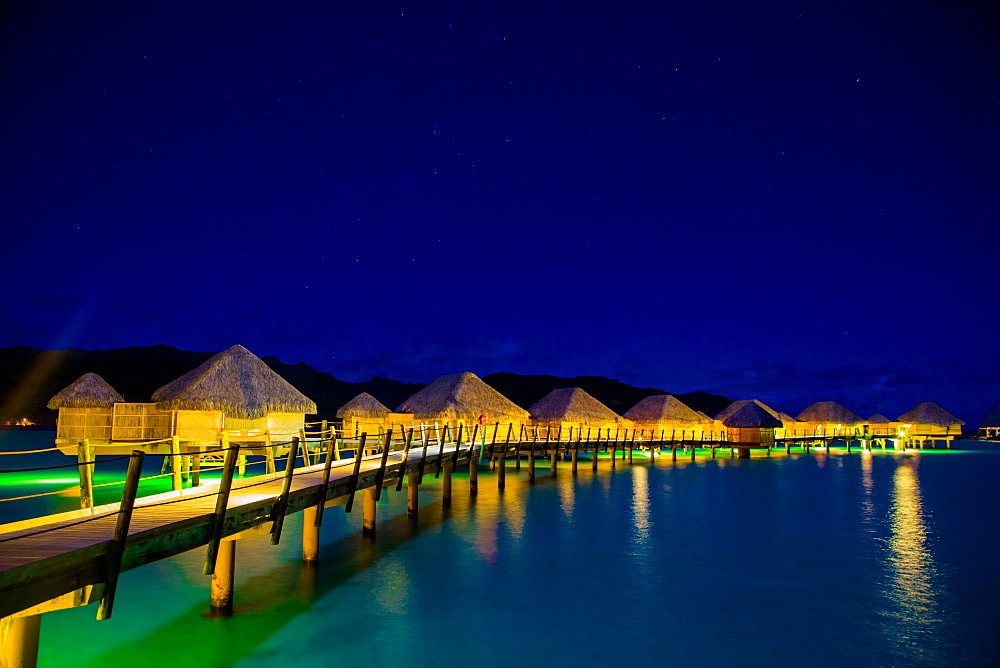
867,507
640,501
514,514
566,487
912,568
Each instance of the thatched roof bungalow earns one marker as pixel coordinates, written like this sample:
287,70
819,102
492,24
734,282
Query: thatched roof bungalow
751,426
462,398
737,405
880,424
990,425
234,390
85,408
364,414
929,419
829,417
665,414
570,409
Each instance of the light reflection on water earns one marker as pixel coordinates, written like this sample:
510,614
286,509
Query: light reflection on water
914,588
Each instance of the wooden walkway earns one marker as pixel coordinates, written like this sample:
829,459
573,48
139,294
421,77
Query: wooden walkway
62,560
50,557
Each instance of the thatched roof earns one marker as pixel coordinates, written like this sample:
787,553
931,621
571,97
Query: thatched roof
365,406
787,420
460,396
87,391
878,418
237,383
752,414
572,404
737,405
827,412
993,418
705,417
928,412
664,408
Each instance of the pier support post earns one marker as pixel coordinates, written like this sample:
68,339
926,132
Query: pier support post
553,464
84,454
473,472
446,483
19,641
743,453
175,463
195,470
576,453
223,578
185,468
412,495
369,511
310,536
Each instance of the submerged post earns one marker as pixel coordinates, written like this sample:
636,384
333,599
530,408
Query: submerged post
368,511
412,499
19,641
222,580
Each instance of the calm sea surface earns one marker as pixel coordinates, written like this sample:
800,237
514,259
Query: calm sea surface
883,559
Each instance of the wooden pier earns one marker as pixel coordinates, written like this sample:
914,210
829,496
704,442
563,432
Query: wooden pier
73,559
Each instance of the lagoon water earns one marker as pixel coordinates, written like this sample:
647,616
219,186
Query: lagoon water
860,559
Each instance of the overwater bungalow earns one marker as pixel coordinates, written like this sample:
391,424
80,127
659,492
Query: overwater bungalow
788,425
232,392
927,419
569,411
829,418
737,405
751,426
990,426
85,409
364,414
666,415
464,399
880,424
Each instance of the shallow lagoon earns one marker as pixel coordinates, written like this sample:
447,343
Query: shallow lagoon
883,559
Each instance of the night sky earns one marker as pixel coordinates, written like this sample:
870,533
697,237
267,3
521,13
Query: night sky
795,201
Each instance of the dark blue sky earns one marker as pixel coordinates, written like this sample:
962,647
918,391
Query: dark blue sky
788,200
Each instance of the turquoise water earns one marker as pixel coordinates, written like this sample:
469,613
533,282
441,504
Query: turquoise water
884,559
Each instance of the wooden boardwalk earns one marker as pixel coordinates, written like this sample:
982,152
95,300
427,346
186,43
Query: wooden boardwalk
50,557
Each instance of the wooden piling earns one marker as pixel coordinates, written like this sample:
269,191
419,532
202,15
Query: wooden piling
83,457
531,458
517,457
221,504
597,444
368,509
352,485
223,579
117,548
310,536
196,469
175,463
474,462
575,455
446,483
412,499
19,641
281,505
